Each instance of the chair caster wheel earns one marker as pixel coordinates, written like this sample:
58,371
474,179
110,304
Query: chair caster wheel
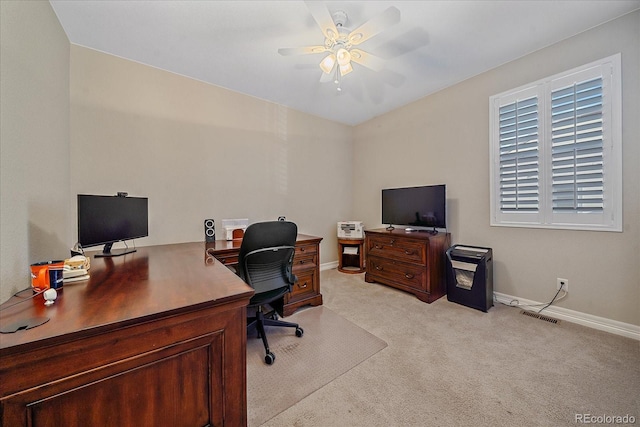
299,332
270,358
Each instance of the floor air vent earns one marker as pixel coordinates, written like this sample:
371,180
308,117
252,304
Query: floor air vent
539,316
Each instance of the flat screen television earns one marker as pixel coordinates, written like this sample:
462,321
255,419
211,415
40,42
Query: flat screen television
105,220
415,206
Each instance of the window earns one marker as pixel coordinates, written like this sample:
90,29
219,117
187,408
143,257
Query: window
556,151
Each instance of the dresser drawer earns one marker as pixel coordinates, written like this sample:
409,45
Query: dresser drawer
402,249
413,276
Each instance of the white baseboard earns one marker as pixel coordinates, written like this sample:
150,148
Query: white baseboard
603,324
329,265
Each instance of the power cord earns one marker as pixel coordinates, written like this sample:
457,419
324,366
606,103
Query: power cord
77,249
2,308
554,298
127,246
516,303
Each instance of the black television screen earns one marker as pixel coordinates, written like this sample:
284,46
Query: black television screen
415,206
104,220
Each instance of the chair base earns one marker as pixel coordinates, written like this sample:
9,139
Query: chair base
260,321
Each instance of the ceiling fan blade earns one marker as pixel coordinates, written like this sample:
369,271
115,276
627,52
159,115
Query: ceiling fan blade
408,42
322,16
286,51
375,25
366,59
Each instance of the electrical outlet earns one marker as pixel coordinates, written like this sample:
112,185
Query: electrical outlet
562,283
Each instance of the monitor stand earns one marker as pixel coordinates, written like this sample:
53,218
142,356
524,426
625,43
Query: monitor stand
107,252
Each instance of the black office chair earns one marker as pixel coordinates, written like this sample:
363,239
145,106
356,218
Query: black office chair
265,263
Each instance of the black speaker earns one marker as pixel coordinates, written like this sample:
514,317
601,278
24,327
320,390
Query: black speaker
209,230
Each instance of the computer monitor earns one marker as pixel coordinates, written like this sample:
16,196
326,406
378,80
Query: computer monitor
105,220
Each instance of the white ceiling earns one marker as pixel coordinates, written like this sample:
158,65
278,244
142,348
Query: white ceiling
234,44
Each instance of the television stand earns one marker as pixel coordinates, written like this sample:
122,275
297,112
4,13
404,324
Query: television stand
412,262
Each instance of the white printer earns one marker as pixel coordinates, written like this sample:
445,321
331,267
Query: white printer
350,230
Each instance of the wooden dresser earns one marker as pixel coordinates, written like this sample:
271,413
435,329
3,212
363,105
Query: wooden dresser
153,338
413,262
306,266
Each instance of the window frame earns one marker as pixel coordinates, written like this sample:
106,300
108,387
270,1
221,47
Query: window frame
610,219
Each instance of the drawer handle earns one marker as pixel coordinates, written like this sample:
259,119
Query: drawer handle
409,252
409,276
303,286
301,249
378,246
379,268
392,242
301,261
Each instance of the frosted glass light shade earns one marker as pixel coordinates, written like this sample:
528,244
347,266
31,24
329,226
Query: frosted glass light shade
327,63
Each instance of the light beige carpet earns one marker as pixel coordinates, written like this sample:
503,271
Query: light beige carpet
331,346
447,365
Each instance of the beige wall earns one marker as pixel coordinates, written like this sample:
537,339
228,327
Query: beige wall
444,138
34,141
200,151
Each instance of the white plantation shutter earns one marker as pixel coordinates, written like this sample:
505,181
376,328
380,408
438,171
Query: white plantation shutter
556,151
519,178
577,148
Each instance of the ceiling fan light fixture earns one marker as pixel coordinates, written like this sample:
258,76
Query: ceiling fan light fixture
328,62
343,56
340,43
346,69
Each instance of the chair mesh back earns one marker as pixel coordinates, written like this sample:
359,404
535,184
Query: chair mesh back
268,269
266,255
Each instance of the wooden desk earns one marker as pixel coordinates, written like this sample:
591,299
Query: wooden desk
306,266
153,338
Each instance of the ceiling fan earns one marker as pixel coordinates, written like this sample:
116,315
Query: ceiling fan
340,43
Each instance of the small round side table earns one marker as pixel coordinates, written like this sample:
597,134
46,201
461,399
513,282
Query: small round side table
351,255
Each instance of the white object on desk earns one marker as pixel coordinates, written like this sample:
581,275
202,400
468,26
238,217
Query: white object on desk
50,296
231,225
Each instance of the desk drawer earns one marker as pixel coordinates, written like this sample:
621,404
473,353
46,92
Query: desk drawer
304,250
304,287
228,259
304,262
